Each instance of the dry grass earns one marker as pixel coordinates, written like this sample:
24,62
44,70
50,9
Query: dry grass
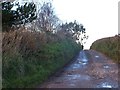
25,41
22,41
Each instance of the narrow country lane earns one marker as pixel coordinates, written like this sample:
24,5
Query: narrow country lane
91,69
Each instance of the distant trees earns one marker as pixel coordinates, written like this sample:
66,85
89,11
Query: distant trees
17,17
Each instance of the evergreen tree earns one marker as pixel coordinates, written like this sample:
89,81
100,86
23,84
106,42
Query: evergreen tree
20,16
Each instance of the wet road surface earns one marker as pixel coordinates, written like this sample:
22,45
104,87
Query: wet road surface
91,69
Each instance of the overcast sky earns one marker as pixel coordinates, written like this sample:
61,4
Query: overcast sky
99,17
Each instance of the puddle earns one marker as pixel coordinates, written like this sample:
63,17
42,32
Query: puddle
73,76
78,77
106,67
75,66
78,59
97,56
84,60
83,63
106,85
72,84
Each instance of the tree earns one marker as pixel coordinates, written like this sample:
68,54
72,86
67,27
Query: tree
76,30
22,15
47,20
7,14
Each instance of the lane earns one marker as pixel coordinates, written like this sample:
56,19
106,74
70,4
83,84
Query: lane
95,71
104,70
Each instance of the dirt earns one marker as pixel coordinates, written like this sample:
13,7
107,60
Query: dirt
90,69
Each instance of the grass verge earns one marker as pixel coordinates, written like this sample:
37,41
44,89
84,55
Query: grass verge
109,46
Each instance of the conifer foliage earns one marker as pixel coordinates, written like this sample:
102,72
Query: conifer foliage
20,15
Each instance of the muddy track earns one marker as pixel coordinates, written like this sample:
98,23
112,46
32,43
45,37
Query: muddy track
90,69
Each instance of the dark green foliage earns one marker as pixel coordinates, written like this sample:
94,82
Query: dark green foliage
73,26
7,14
25,13
22,15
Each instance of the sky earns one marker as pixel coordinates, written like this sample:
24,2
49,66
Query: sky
99,17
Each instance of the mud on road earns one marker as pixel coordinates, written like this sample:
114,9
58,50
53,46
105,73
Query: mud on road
90,69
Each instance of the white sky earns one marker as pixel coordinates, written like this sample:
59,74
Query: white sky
99,17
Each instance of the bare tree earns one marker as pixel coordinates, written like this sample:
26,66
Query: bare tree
47,20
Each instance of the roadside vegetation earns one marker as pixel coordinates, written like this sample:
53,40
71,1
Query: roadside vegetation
26,64
110,46
35,44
